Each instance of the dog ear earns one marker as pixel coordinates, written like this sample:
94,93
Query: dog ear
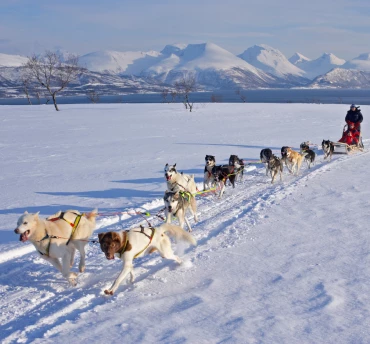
36,214
166,165
116,236
101,236
176,195
174,165
26,212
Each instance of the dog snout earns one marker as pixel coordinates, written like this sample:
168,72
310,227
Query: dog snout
169,208
16,231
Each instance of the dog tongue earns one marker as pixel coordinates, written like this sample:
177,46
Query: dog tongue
23,237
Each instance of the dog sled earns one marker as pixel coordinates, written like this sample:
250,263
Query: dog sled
345,148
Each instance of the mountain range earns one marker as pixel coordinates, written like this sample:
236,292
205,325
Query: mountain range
213,67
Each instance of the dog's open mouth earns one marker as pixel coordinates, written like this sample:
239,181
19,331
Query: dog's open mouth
109,257
168,177
24,236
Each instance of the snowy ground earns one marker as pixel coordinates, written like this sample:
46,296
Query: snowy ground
283,263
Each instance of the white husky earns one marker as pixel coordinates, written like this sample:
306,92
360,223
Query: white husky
58,236
179,181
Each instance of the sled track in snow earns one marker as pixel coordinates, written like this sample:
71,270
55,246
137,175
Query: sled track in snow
30,287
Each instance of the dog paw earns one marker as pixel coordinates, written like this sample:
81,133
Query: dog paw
108,292
82,268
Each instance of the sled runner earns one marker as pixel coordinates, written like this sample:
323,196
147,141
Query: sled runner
346,148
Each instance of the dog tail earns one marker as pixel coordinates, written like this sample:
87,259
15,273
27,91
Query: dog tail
177,232
92,214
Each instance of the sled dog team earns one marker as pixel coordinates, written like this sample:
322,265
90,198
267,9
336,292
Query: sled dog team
60,235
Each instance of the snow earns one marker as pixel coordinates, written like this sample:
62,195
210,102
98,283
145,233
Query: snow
194,57
361,62
126,63
12,60
270,60
298,58
282,263
321,65
343,78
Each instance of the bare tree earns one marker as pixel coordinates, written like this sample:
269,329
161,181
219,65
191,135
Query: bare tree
164,95
184,86
215,98
26,80
49,71
241,95
93,96
173,96
38,97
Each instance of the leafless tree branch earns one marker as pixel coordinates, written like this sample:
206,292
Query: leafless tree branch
51,73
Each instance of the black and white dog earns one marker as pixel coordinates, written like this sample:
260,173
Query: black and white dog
265,156
310,154
238,164
221,174
275,166
179,181
328,148
209,180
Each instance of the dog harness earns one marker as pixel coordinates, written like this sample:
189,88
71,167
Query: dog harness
74,226
150,237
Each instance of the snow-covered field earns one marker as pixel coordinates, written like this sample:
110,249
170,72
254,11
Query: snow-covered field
282,263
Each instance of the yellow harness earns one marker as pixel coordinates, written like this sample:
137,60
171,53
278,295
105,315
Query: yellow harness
74,226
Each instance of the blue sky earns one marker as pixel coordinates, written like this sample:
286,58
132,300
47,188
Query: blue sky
310,26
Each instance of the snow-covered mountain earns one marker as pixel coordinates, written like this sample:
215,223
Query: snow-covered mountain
297,59
321,65
260,66
361,62
127,63
12,60
271,60
210,64
343,78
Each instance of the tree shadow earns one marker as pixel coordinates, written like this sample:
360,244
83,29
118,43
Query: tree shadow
141,180
49,209
226,145
110,193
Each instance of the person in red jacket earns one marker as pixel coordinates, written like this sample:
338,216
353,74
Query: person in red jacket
353,119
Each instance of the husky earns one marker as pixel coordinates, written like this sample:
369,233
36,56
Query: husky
284,152
137,242
223,173
275,166
59,236
310,154
209,180
328,148
179,181
294,160
265,156
239,166
176,203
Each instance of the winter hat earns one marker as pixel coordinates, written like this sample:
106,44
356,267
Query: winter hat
353,106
